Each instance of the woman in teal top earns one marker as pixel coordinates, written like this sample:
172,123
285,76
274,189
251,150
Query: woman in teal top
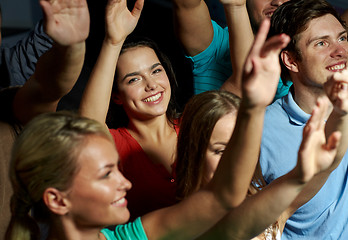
66,167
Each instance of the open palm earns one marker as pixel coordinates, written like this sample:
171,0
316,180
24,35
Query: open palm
262,69
66,21
316,154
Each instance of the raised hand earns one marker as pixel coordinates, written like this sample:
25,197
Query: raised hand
120,22
66,21
336,89
316,154
262,69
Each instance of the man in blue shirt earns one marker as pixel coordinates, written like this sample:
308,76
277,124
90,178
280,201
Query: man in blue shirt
315,60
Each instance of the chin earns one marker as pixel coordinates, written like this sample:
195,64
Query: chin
123,218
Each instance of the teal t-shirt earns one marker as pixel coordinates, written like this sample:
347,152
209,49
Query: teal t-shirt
212,67
130,231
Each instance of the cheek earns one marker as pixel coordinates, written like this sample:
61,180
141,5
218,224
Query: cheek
164,82
129,94
95,193
211,161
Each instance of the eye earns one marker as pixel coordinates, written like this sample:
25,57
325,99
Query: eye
321,43
219,151
107,174
343,39
157,70
132,80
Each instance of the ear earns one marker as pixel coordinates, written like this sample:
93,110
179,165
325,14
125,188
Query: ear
115,98
56,201
289,61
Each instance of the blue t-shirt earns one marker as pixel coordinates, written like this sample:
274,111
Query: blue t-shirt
325,216
212,67
130,231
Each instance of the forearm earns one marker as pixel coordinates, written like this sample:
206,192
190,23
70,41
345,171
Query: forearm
259,211
96,97
55,75
22,58
58,69
193,25
240,157
241,38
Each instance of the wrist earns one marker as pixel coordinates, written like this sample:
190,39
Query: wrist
339,113
247,106
233,5
251,110
113,43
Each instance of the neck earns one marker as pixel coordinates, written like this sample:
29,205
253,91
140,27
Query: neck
67,230
306,96
153,128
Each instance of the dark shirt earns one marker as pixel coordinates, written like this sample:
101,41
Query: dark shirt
18,63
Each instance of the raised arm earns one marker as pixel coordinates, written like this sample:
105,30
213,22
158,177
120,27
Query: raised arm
241,38
120,22
67,23
275,202
21,59
193,25
228,188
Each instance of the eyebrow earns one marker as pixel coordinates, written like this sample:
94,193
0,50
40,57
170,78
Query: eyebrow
138,73
324,37
110,165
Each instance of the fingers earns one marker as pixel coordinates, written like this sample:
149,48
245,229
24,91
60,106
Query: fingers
258,44
337,85
47,10
317,121
275,44
138,7
261,35
333,141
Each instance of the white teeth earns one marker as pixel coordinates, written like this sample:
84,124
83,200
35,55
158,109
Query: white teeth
121,201
153,98
337,67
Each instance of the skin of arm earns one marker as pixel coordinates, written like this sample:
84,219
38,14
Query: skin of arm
193,25
241,38
228,188
120,22
67,23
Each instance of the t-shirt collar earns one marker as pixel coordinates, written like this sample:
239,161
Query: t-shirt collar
296,114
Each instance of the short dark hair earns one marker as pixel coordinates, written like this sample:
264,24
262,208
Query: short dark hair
292,18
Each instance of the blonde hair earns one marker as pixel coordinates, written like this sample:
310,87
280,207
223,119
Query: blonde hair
44,155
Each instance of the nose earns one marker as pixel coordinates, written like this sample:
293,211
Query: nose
339,51
122,183
278,2
150,84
